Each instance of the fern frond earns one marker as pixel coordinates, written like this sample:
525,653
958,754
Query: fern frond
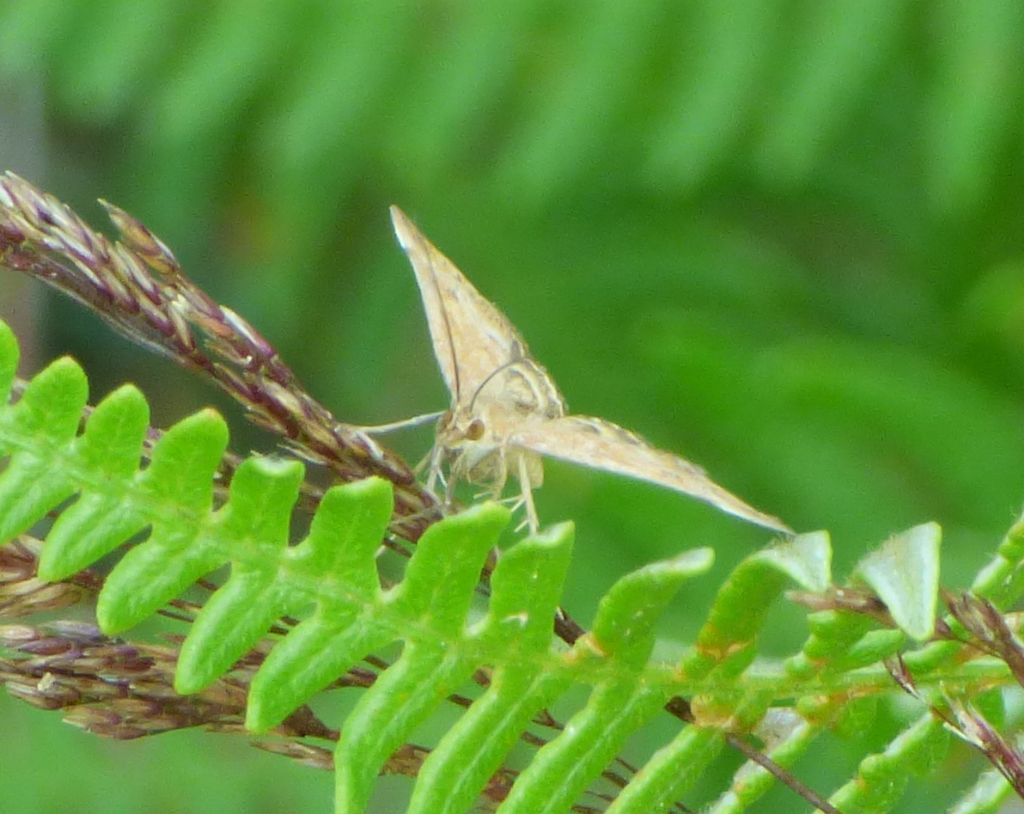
306,71
467,756
699,125
846,46
971,104
904,574
91,479
987,796
569,121
332,572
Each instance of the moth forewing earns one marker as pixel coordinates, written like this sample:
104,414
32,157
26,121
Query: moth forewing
506,410
600,444
471,338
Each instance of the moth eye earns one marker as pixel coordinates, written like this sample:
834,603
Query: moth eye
475,430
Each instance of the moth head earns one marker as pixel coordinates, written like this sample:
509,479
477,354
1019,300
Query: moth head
460,428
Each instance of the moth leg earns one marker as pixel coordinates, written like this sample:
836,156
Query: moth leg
514,502
497,475
433,461
519,502
394,426
501,476
449,482
423,463
526,495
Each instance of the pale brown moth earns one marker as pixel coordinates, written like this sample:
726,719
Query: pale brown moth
506,412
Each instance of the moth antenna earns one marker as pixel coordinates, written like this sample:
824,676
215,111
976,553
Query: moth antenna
491,375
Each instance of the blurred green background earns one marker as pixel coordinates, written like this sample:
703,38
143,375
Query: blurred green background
779,236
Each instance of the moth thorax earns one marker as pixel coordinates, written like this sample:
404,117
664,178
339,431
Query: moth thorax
477,445
524,387
491,465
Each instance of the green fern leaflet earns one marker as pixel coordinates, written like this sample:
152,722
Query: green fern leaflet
325,604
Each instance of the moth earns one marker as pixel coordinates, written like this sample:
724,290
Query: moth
506,412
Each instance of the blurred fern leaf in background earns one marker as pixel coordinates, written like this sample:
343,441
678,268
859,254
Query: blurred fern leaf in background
782,237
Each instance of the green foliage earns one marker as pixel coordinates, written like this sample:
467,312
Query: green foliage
779,236
808,207
330,582
904,573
